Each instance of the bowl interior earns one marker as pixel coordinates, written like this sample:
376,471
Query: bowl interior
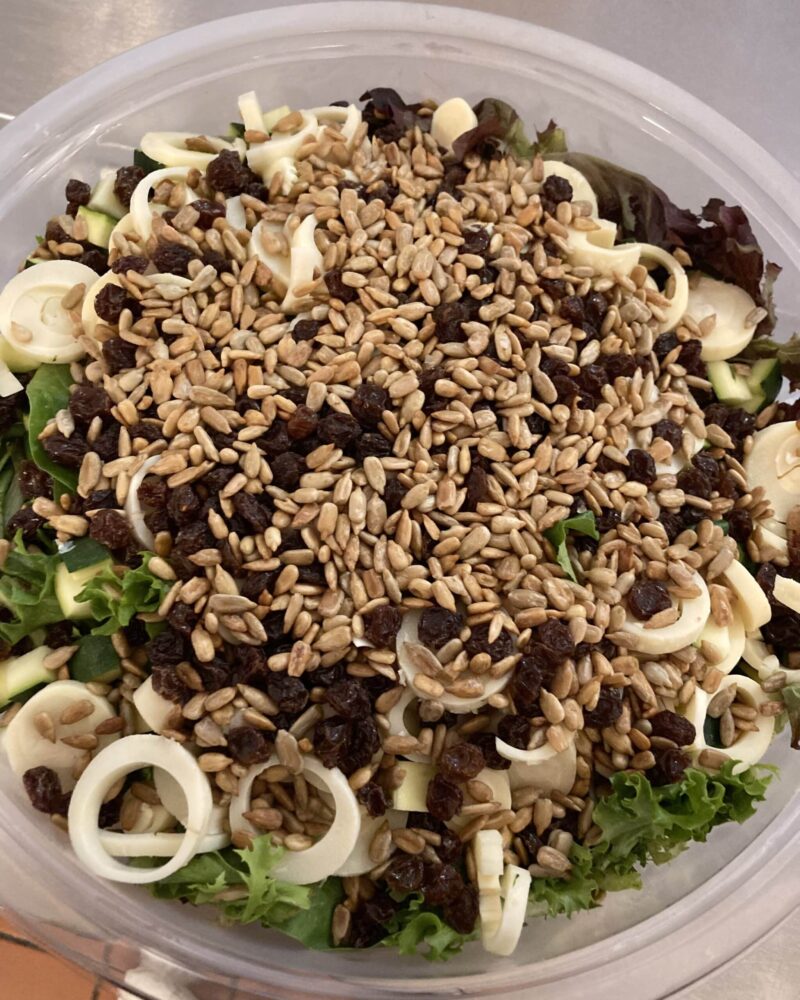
311,56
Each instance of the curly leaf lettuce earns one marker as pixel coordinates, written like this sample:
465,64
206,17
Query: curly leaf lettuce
414,927
27,590
500,128
115,600
642,823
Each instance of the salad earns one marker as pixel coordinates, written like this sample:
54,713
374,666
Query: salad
401,523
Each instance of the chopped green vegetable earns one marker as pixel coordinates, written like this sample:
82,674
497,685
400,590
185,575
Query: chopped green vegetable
791,699
236,130
82,553
114,600
48,392
788,355
642,823
500,127
147,163
581,524
414,927
27,589
95,660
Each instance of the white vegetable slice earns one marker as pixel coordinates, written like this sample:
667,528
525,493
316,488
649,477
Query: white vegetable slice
678,460
27,748
250,112
156,845
170,149
728,640
277,263
766,537
305,259
595,248
141,207
514,889
153,708
550,770
751,601
450,120
270,158
581,189
774,463
234,212
399,722
271,118
411,794
35,328
133,507
149,818
349,118
174,801
488,851
498,782
751,746
113,763
408,633
731,306
653,256
9,383
359,861
331,851
694,612
787,592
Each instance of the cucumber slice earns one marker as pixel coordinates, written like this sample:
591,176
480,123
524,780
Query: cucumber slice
82,553
236,130
147,163
69,584
20,674
30,261
103,198
766,378
730,387
100,226
96,660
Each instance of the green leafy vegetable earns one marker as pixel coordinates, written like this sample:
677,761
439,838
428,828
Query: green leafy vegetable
147,163
414,927
27,582
788,355
642,823
82,553
114,600
48,392
791,699
581,524
500,127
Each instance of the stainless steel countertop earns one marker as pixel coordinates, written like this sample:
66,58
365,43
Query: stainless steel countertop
738,56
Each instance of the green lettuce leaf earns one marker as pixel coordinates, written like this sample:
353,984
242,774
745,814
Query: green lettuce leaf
48,392
414,927
27,590
641,823
791,699
788,355
114,600
581,524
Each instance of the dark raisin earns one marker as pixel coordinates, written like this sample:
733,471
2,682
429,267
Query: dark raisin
690,358
478,642
171,258
89,401
450,849
153,492
110,528
441,884
393,494
306,329
227,173
337,288
740,527
486,744
339,429
348,698
404,873
373,798
695,482
673,727
44,790
248,507
250,667
77,192
641,467
131,262
670,432
95,258
25,520
118,354
331,738
609,519
664,345
125,183
443,799
66,451
183,505
183,618
167,648
382,625
208,211
607,710
620,366
461,762
455,174
595,308
372,445
477,483
287,470
276,441
111,300
288,693
669,768
302,423
526,685
647,597
514,730
33,481
54,233
368,403
438,626
557,189
248,745
220,263
428,378
107,443
476,240
461,912
214,675
556,637
58,634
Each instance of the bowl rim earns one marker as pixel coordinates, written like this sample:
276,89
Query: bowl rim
712,136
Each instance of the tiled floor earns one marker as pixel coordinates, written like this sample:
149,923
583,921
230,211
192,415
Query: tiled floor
27,973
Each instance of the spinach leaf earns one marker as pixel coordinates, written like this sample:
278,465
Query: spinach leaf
581,524
48,392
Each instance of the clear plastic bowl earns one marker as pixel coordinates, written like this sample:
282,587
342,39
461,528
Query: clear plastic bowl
694,914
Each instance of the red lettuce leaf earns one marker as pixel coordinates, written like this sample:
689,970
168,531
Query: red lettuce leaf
500,129
388,116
